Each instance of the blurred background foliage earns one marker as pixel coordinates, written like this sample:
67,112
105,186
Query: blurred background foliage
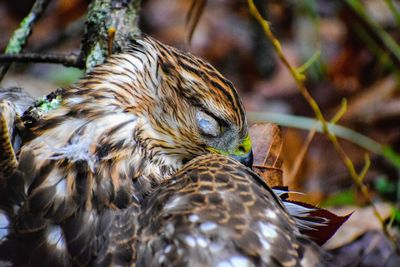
352,47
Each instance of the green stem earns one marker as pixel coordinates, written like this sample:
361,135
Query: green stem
20,37
305,123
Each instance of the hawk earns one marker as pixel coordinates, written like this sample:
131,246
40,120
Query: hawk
138,164
85,167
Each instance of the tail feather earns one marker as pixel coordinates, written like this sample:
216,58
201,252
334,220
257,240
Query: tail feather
300,213
316,223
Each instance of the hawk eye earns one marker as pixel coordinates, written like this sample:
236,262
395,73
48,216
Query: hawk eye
207,124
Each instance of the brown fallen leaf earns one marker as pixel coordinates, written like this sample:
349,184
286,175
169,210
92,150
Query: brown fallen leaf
320,224
267,149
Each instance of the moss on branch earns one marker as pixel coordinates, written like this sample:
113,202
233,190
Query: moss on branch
110,26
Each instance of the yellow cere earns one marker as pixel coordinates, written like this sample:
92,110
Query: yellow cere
243,149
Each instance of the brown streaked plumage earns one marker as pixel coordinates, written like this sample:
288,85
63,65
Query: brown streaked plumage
120,131
216,212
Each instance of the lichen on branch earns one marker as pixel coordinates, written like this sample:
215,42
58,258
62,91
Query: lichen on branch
110,26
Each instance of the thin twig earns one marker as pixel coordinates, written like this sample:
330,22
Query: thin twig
69,60
299,79
306,123
301,155
18,41
192,18
299,159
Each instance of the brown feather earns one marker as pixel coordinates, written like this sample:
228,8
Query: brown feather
216,212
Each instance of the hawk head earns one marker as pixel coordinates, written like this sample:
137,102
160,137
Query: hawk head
192,109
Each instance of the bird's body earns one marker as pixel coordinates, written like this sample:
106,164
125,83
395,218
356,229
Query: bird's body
216,212
76,191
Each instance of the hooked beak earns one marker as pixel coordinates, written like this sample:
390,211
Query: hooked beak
243,153
245,159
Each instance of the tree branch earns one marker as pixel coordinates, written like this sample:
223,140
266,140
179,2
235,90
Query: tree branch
69,60
18,41
111,24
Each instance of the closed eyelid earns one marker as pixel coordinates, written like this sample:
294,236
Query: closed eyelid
207,124
222,123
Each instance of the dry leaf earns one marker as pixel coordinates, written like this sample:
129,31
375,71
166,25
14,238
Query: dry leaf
267,149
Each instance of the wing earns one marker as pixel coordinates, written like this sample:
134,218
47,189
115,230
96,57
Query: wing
40,225
214,213
59,206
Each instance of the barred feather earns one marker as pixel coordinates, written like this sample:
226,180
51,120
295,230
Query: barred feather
216,212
